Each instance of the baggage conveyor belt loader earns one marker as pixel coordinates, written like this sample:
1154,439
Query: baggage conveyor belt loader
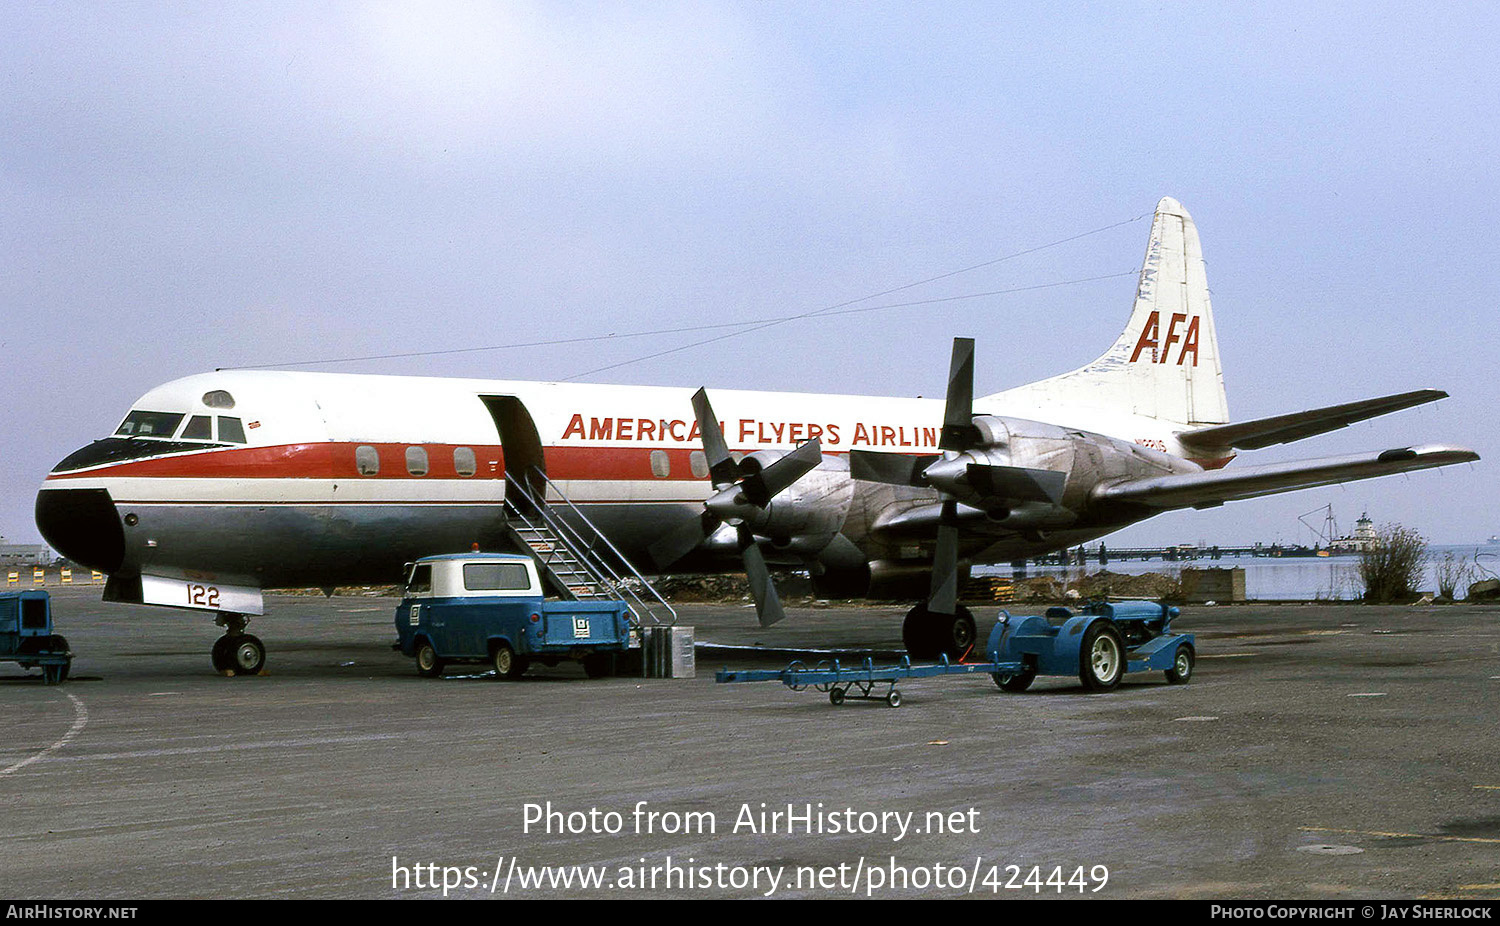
1099,645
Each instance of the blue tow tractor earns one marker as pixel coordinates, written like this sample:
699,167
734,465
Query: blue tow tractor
26,635
1099,645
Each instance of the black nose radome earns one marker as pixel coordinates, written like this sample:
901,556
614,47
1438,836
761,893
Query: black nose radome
82,525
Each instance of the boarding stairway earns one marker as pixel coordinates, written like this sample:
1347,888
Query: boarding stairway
576,561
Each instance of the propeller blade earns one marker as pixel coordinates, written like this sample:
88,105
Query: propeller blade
943,598
890,468
683,539
959,432
770,482
1017,483
762,589
722,469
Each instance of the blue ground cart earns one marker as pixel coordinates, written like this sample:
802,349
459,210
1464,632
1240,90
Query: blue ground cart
26,635
1099,644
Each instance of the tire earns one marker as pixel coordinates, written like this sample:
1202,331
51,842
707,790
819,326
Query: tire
1101,659
247,654
57,643
894,698
1182,665
220,654
1015,683
927,635
508,665
599,665
429,664
835,696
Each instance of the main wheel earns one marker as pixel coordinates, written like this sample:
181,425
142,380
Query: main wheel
1182,665
1101,661
928,635
247,655
429,665
507,664
1015,683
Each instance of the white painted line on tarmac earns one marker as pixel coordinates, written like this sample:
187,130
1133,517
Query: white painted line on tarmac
1368,694
80,720
302,743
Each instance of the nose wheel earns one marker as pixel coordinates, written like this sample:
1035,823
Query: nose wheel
237,652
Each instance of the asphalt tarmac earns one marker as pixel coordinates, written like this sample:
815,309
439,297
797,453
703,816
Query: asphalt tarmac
1331,752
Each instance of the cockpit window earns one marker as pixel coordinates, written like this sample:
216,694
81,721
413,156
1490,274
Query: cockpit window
231,431
199,427
149,424
218,399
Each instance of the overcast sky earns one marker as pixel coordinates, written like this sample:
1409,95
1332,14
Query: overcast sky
184,187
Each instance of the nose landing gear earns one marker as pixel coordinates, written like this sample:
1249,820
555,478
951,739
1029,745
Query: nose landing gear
237,652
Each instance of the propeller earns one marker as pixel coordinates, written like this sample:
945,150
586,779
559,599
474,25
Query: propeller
940,472
742,491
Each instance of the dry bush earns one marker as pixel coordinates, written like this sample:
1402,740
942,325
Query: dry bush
1392,568
1452,574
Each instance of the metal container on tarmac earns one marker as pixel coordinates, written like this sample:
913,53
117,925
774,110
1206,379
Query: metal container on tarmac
668,652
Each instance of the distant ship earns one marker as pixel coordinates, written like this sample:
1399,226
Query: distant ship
1330,543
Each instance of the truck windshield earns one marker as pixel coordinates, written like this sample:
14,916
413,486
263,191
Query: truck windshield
421,579
496,577
149,424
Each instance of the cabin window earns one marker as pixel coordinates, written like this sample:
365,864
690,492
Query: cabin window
33,614
698,463
661,464
464,462
367,460
231,431
496,577
199,427
218,399
420,579
149,424
416,461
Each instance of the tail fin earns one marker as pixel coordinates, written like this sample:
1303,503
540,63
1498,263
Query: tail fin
1165,364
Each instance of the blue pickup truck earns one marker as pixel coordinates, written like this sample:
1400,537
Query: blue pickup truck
490,608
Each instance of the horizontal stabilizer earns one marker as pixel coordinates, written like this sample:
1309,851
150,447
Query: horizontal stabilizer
1214,487
1282,429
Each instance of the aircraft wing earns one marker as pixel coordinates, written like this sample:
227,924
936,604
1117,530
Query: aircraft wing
1281,429
1214,487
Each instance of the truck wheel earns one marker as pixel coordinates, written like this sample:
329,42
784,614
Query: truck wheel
1101,660
428,663
1182,665
1015,683
507,664
599,665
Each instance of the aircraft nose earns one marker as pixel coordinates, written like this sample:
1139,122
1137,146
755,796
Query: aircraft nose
82,525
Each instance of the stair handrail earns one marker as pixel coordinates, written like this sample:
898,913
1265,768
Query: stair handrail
584,552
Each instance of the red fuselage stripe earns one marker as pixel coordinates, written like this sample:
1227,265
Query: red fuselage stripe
337,461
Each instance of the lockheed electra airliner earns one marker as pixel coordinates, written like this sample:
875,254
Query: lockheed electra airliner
219,485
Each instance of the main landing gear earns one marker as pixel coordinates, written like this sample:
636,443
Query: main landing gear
237,652
929,634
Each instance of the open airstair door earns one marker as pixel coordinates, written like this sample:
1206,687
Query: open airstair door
520,445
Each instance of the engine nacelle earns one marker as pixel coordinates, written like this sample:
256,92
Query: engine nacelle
814,506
